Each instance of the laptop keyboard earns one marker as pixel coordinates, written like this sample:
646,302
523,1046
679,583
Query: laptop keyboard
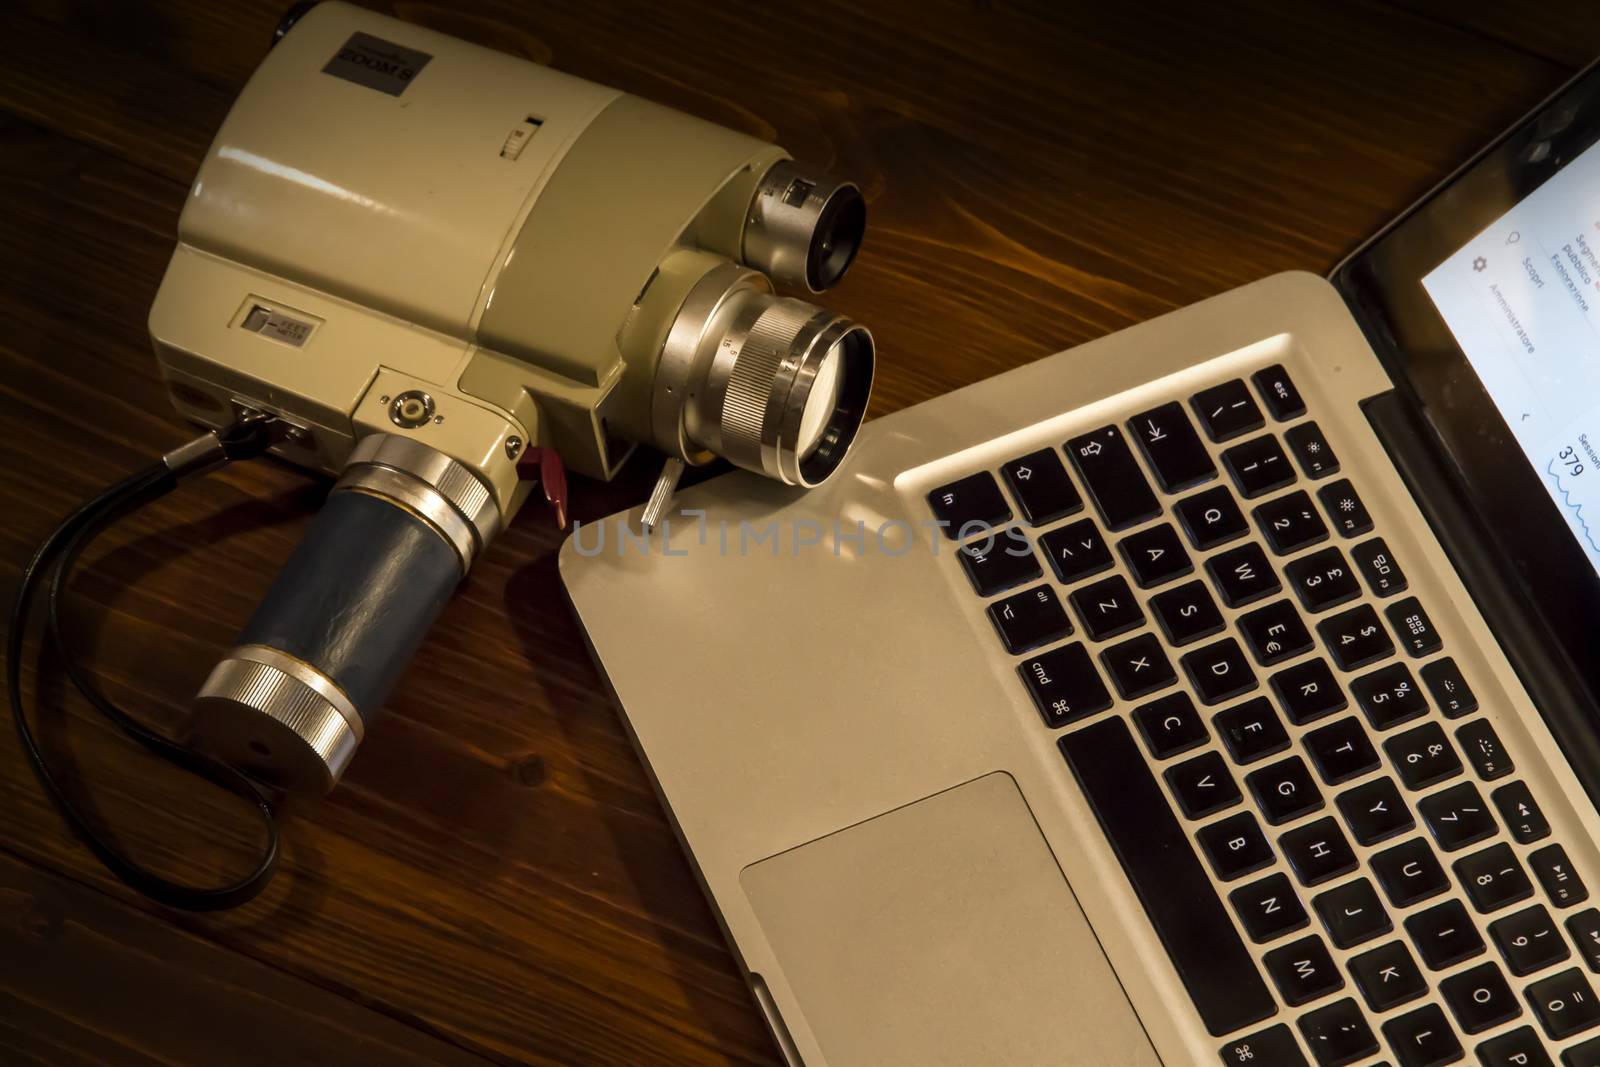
1288,723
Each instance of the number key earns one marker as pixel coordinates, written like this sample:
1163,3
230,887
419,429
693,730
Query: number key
1389,696
1457,817
1528,940
1493,878
1423,756
1258,466
1322,580
1355,638
1565,1004
1290,523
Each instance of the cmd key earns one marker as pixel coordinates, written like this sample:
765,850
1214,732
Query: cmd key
1116,484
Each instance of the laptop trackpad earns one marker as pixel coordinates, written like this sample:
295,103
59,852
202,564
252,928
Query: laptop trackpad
943,932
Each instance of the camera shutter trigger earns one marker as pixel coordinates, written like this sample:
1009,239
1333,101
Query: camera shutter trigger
544,466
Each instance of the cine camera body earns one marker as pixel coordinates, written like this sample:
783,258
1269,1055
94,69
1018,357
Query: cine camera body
423,259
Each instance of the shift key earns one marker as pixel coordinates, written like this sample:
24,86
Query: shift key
1116,484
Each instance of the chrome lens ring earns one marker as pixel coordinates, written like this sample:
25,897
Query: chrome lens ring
856,355
803,229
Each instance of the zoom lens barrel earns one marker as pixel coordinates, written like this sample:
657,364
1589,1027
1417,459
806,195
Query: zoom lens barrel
292,699
803,230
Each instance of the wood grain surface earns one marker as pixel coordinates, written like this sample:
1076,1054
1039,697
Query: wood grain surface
494,881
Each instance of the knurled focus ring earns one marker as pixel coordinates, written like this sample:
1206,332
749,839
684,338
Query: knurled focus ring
751,408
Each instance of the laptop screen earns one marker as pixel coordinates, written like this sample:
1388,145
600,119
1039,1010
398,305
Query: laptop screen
1522,299
1484,302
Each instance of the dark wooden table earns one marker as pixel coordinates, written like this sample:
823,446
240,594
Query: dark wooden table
494,881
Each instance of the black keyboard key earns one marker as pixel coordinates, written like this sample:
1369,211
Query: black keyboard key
1219,671
1388,976
1189,918
1211,518
1338,1034
1107,607
1308,691
1076,551
1317,852
1345,508
1041,486
1584,929
1251,730
1168,441
1284,791
1586,1054
1528,940
1389,696
1138,666
1242,575
1275,633
1521,1047
1235,846
1116,485
1352,913
1187,613
1444,935
1521,814
1355,638
1417,635
1341,751
1448,688
1274,1046
1311,450
1227,410
1565,1004
1484,751
1493,878
1258,466
970,506
1303,971
1170,725
1457,817
1064,684
1480,998
1029,619
1203,785
1408,872
999,562
1155,555
1290,523
1423,1038
1555,873
1322,580
1423,756
1375,811
1376,564
1282,398
1268,908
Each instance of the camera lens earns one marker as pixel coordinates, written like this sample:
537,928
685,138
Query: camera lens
803,230
772,384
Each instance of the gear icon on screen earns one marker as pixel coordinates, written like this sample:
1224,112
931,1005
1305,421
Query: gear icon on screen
1480,264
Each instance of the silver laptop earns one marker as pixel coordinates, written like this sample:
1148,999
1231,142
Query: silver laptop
1221,691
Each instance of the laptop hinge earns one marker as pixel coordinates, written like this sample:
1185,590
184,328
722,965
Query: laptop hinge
1541,661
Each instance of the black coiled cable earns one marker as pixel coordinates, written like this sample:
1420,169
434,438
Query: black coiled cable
53,563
